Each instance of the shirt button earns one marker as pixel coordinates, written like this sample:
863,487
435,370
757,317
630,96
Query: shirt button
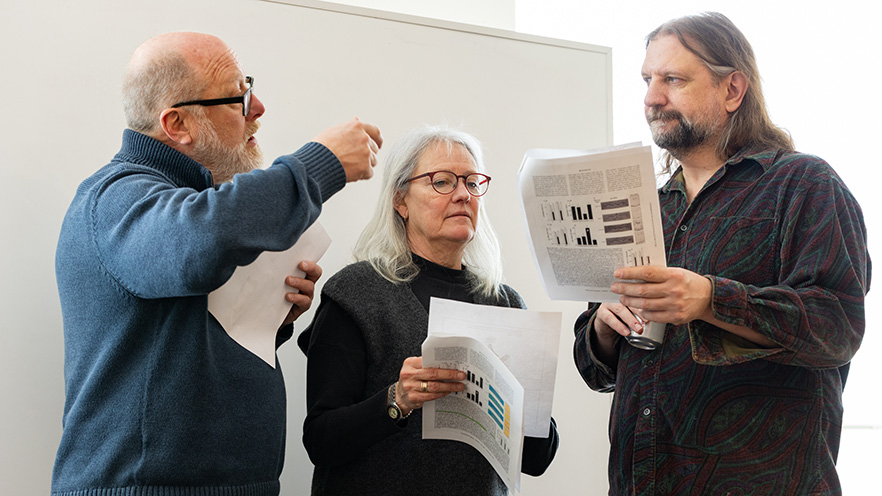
684,228
646,412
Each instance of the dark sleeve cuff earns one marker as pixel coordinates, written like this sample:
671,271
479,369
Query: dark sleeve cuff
284,333
539,451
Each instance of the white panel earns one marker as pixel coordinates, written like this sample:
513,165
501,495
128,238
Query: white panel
491,13
314,67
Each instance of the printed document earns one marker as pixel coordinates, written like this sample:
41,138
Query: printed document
488,414
251,305
589,213
526,342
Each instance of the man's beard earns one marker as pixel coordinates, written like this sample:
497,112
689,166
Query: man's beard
225,161
684,137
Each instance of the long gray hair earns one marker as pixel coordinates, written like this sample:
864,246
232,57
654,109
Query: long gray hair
383,242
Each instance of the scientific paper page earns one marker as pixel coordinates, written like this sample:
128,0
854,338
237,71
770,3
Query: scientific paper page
525,341
488,414
589,213
251,305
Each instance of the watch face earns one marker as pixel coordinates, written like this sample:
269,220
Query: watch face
394,412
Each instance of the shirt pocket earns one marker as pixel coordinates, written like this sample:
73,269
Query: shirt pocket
743,249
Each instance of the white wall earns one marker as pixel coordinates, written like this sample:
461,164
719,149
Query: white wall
491,13
64,120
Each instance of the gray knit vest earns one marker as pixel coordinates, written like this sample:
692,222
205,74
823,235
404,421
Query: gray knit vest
394,325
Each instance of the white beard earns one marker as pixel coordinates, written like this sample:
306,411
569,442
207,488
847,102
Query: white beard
221,160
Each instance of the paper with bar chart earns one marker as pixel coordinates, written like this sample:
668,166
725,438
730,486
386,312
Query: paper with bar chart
526,341
488,414
589,213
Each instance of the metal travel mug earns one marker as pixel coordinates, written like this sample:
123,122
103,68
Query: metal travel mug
653,336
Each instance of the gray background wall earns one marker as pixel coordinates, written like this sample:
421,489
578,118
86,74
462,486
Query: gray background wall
313,68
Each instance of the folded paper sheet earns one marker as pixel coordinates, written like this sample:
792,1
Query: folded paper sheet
251,305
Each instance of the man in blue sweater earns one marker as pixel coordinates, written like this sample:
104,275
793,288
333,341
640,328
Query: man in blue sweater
159,399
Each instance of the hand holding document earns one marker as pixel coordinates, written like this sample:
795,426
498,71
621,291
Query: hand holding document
589,213
509,356
525,341
251,305
488,414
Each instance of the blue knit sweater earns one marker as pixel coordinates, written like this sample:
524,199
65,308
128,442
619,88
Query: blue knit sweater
159,399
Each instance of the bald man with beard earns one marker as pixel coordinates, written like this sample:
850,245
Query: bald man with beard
159,399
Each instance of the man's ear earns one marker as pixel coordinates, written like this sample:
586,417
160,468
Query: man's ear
176,126
737,84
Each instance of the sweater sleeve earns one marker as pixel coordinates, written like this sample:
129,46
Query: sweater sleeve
157,239
341,423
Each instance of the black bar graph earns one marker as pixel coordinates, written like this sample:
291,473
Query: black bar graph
579,213
471,377
476,397
588,239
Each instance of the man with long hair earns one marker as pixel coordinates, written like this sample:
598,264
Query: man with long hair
763,295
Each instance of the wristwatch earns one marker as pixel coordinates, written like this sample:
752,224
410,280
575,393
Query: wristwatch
392,408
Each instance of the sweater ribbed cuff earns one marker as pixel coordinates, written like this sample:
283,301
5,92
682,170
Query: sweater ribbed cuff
269,488
322,167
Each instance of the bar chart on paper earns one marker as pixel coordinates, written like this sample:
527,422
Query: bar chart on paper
489,400
475,394
500,411
588,214
618,223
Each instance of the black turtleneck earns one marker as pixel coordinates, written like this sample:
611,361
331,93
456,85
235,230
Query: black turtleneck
440,282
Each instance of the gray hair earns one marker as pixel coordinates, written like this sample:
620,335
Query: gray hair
152,85
383,242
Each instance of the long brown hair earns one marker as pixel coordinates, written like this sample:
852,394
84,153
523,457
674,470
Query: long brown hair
714,39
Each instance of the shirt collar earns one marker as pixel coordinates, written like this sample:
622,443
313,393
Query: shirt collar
749,154
765,157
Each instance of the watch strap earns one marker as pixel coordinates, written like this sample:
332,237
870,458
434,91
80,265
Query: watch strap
392,409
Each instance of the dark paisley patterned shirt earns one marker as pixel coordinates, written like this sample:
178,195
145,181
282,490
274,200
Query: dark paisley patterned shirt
784,243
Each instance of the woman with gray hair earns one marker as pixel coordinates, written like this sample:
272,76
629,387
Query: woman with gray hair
429,236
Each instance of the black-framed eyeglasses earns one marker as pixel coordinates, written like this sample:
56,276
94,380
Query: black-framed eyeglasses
445,182
245,99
